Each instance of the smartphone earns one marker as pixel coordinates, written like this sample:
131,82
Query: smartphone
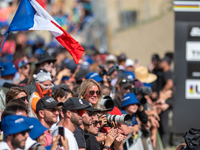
61,133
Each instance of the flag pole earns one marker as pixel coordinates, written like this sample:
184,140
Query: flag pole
4,42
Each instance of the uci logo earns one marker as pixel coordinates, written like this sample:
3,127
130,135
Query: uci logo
194,89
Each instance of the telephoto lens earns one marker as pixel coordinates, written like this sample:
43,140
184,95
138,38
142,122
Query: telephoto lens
107,102
123,119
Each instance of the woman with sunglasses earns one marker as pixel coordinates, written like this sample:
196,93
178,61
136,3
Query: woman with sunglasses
91,91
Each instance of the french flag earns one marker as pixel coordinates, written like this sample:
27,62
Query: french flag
31,16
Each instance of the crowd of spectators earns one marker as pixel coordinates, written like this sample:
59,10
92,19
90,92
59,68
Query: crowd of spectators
60,93
48,101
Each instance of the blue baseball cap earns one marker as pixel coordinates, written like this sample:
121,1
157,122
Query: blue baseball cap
95,76
37,130
8,69
65,78
129,75
12,124
129,99
23,63
39,51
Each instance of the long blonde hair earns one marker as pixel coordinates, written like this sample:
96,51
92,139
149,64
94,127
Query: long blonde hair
84,88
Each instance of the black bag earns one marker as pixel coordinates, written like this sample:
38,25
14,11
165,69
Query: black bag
192,139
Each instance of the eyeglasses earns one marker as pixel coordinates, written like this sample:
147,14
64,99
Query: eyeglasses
23,133
95,123
47,87
80,112
23,98
92,92
53,110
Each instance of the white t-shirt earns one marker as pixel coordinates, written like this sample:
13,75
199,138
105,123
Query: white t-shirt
4,146
70,137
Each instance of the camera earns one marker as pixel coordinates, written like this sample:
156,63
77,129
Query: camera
107,102
142,90
109,72
142,100
112,69
123,119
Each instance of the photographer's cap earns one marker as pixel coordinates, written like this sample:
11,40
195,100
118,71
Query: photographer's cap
95,76
91,108
12,124
125,82
129,99
74,103
47,102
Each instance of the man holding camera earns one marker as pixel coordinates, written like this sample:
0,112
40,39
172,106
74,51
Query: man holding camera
122,89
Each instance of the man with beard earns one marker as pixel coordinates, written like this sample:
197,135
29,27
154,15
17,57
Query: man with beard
15,130
47,110
87,121
73,110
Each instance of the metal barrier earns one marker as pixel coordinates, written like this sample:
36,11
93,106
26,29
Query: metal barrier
139,142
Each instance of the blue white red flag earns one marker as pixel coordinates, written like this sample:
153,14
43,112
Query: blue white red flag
31,16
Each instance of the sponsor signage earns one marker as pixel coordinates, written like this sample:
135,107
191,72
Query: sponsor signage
194,32
193,70
192,51
192,89
187,6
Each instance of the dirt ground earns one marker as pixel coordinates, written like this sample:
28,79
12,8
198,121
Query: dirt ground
141,41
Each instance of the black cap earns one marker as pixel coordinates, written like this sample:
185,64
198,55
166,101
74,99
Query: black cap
74,103
81,74
47,102
91,108
71,65
167,59
155,57
45,57
121,57
125,82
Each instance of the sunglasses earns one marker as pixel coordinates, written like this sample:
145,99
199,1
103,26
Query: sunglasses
23,133
80,112
90,113
23,98
47,87
92,92
53,110
95,123
49,62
